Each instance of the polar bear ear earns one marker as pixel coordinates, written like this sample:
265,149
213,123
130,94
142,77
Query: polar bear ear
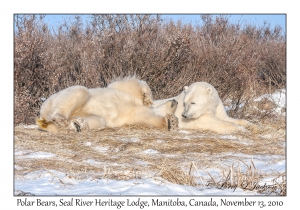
209,91
185,88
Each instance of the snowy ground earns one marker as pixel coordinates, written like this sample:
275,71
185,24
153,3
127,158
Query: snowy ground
44,181
49,183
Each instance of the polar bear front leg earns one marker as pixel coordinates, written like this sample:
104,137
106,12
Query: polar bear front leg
146,116
169,122
210,122
172,122
166,108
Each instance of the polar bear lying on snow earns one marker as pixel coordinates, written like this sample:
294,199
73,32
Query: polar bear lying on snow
199,107
127,101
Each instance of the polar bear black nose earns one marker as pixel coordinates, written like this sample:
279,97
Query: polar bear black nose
184,116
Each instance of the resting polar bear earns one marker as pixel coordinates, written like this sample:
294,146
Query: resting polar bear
126,101
199,107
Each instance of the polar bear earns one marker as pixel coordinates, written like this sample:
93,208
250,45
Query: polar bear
127,101
199,107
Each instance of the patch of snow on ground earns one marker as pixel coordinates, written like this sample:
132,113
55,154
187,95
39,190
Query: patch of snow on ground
87,144
228,137
39,155
277,97
130,139
31,126
150,151
101,149
93,162
270,163
18,167
277,167
140,162
230,105
184,132
20,153
160,141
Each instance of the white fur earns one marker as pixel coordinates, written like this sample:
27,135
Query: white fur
200,108
123,102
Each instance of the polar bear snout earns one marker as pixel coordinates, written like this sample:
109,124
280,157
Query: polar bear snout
189,114
186,111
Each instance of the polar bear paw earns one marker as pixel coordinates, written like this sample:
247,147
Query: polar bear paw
78,124
147,99
172,122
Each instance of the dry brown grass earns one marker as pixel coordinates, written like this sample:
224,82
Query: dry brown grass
134,152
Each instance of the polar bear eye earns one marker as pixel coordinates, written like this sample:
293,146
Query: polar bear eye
192,102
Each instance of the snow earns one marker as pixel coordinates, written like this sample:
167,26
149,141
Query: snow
31,126
57,183
228,105
126,140
228,137
101,149
87,144
160,141
53,182
39,155
278,97
270,163
93,162
150,151
184,132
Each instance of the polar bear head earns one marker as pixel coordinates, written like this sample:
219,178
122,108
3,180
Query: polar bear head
200,98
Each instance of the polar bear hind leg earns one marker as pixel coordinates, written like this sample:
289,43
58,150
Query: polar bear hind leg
59,107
